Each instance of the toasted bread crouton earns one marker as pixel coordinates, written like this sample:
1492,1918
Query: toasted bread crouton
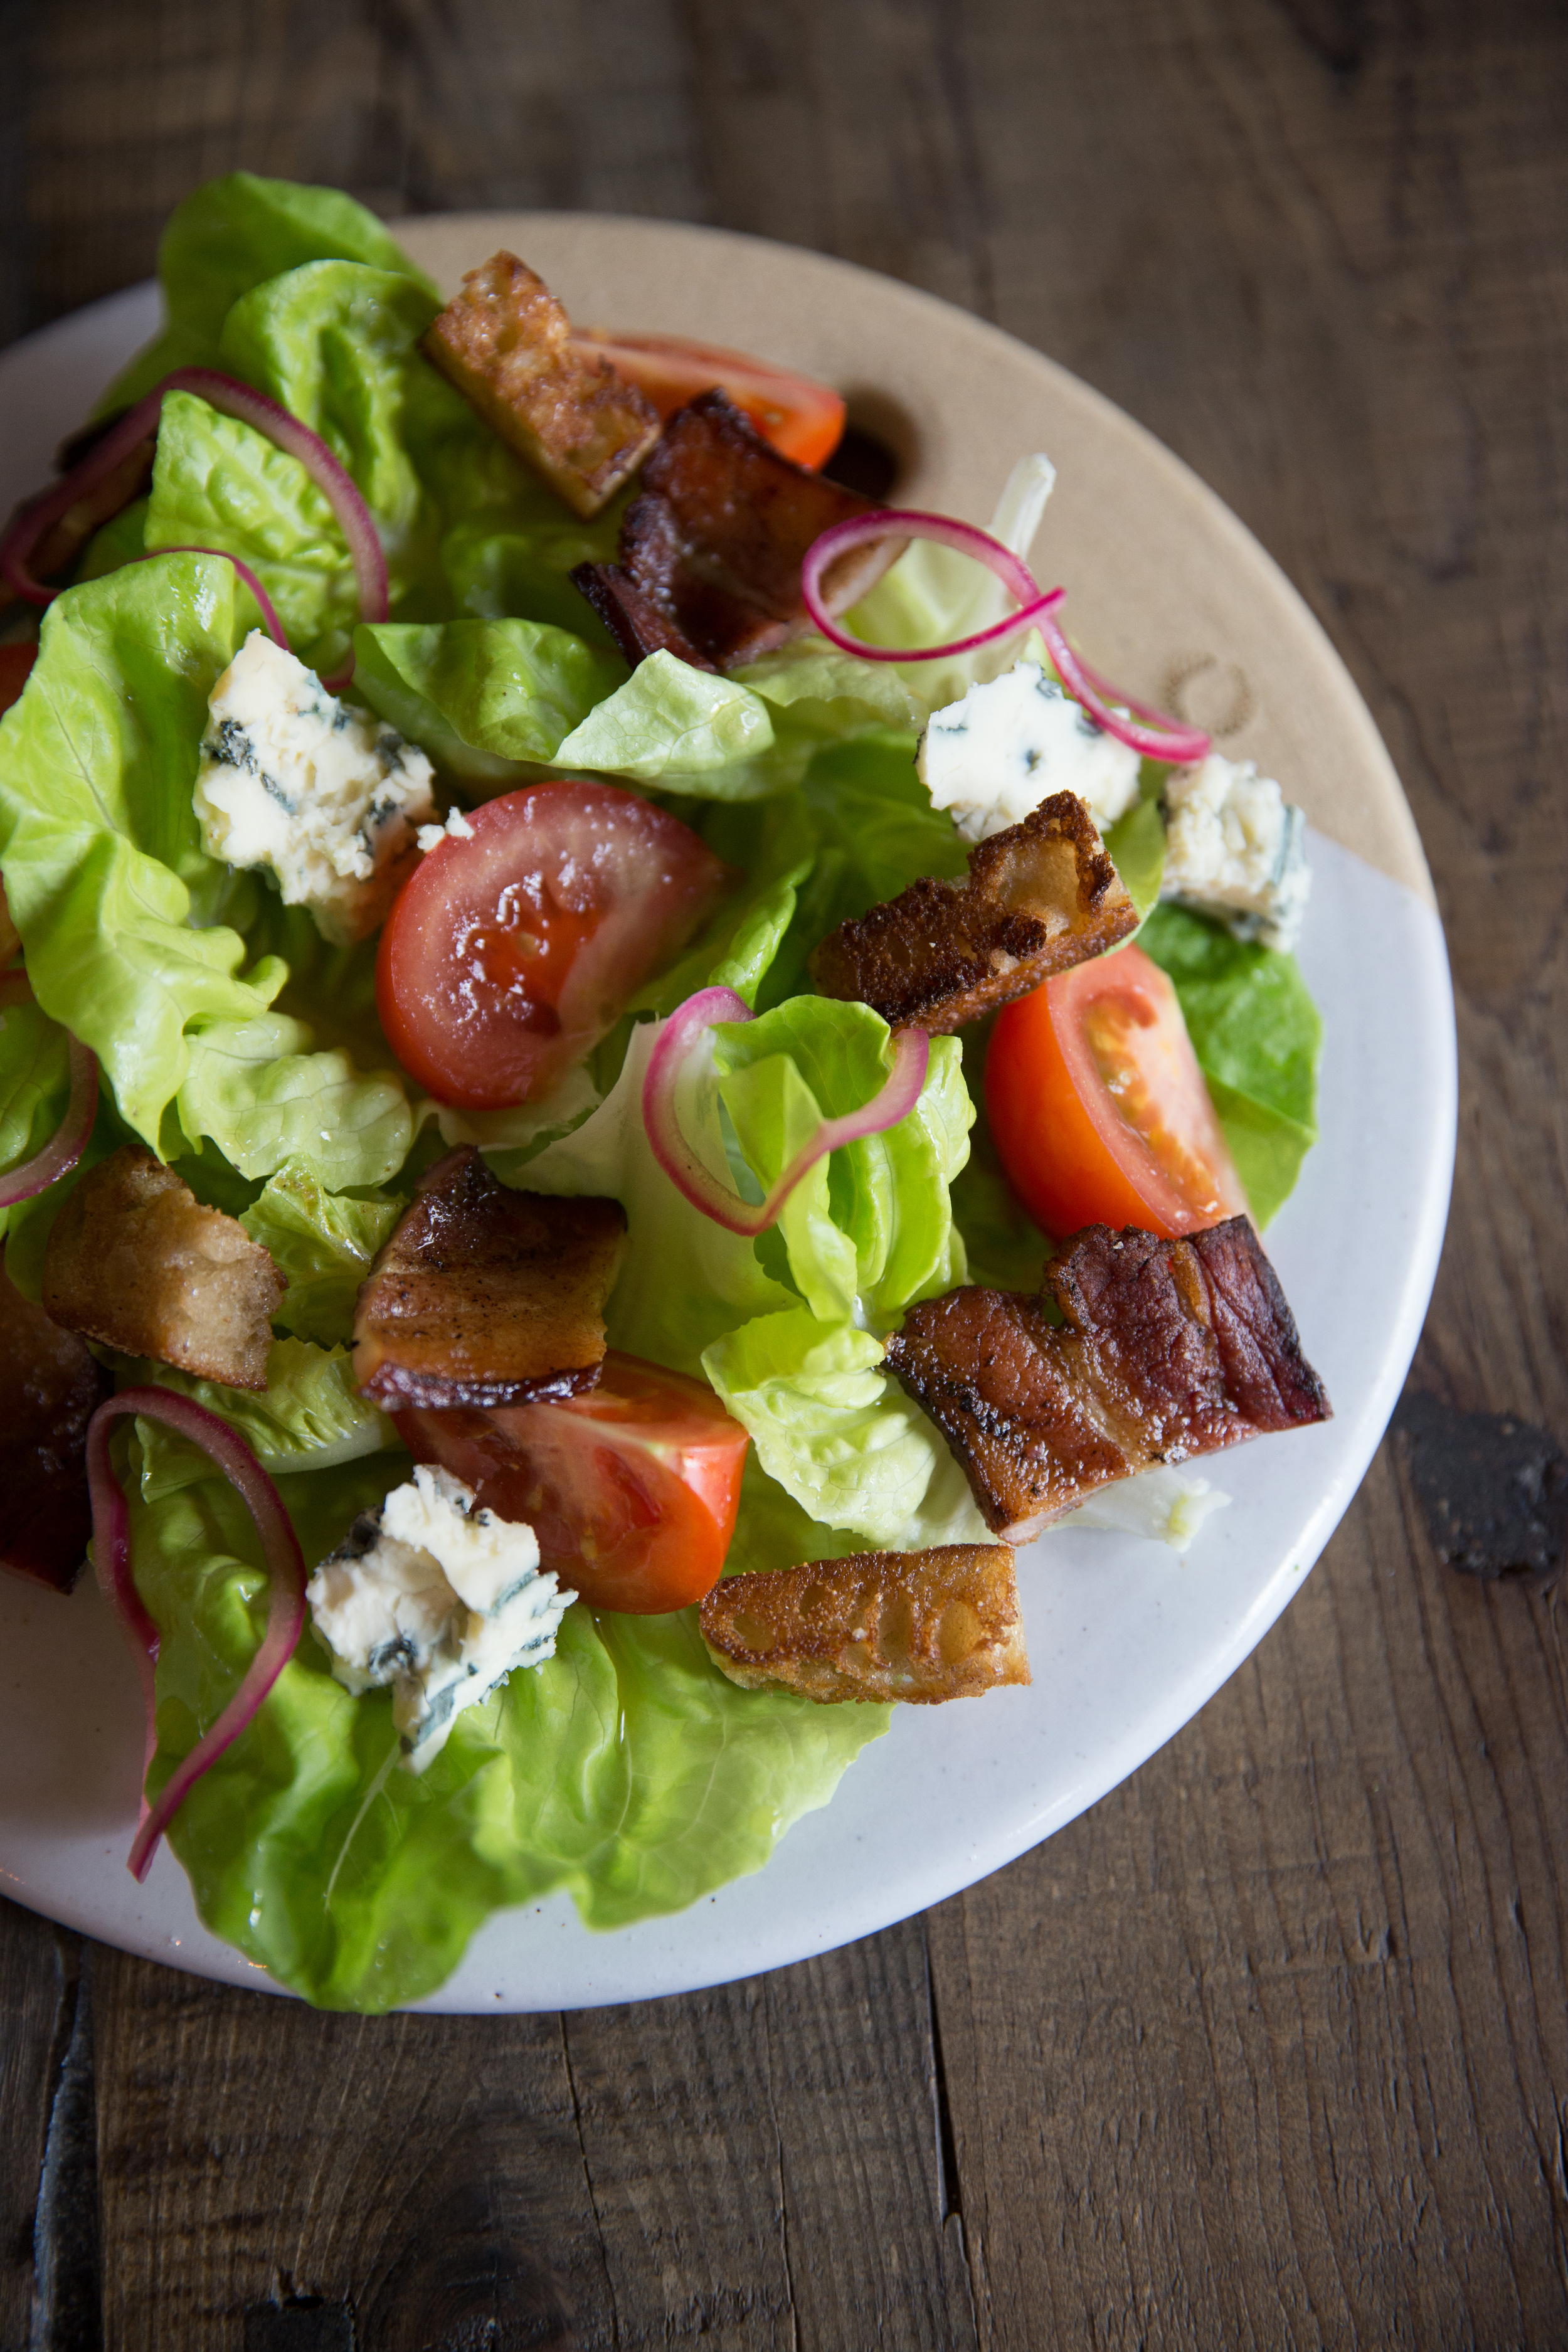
50,1387
921,1626
487,1296
506,344
1040,897
136,1262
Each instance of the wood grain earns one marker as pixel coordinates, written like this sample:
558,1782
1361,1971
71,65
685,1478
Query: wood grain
1270,2048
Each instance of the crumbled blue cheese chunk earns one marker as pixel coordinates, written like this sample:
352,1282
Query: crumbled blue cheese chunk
994,755
439,1599
1237,849
328,797
456,828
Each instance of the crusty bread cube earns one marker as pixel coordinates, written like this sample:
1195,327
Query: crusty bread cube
136,1262
506,344
921,1626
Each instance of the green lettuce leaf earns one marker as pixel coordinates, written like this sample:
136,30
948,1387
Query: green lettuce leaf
870,1230
492,701
322,1242
1137,843
682,729
226,237
626,1770
310,1417
121,911
1257,1034
34,1085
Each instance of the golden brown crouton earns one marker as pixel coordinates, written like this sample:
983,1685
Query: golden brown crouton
1040,897
135,1261
922,1626
506,344
487,1296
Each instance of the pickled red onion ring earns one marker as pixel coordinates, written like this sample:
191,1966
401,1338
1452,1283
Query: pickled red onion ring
68,1141
894,523
111,1559
1159,737
231,398
686,1170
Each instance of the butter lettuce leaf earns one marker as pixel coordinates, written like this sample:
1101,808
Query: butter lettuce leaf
322,1242
492,701
124,914
228,236
626,1770
310,1417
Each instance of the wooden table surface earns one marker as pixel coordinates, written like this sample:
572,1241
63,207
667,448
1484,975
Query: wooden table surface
1271,2047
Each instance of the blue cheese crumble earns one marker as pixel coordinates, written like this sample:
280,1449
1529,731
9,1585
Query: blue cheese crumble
329,798
1237,849
992,757
439,1599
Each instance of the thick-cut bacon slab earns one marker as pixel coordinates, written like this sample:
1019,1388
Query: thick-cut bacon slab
506,343
1168,1349
487,1296
50,1386
1039,897
920,1626
712,549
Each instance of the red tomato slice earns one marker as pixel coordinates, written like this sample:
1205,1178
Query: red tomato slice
1098,1106
15,662
506,955
804,420
632,1489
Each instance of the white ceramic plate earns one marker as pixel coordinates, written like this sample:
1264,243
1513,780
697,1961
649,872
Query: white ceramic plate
1169,594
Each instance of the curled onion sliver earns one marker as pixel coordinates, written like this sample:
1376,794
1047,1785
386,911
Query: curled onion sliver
111,1559
68,1141
690,1175
270,620
1164,738
894,522
232,398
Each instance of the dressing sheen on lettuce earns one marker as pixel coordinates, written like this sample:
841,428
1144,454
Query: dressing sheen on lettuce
627,1772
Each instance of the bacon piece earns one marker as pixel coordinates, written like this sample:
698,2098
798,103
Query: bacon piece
506,343
50,1386
64,539
1168,1349
1039,897
921,1626
136,1262
487,1296
712,548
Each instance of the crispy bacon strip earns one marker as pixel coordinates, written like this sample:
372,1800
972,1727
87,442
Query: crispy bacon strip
712,549
921,1626
506,343
50,1386
1039,897
487,1296
136,1262
1168,1349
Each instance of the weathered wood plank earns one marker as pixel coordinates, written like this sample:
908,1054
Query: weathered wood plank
424,2174
47,2278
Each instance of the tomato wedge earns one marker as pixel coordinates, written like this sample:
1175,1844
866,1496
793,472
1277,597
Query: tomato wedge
1098,1106
506,954
804,420
631,1489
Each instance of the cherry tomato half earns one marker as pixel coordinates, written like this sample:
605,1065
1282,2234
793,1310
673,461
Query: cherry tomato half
632,1489
1098,1106
802,419
506,954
